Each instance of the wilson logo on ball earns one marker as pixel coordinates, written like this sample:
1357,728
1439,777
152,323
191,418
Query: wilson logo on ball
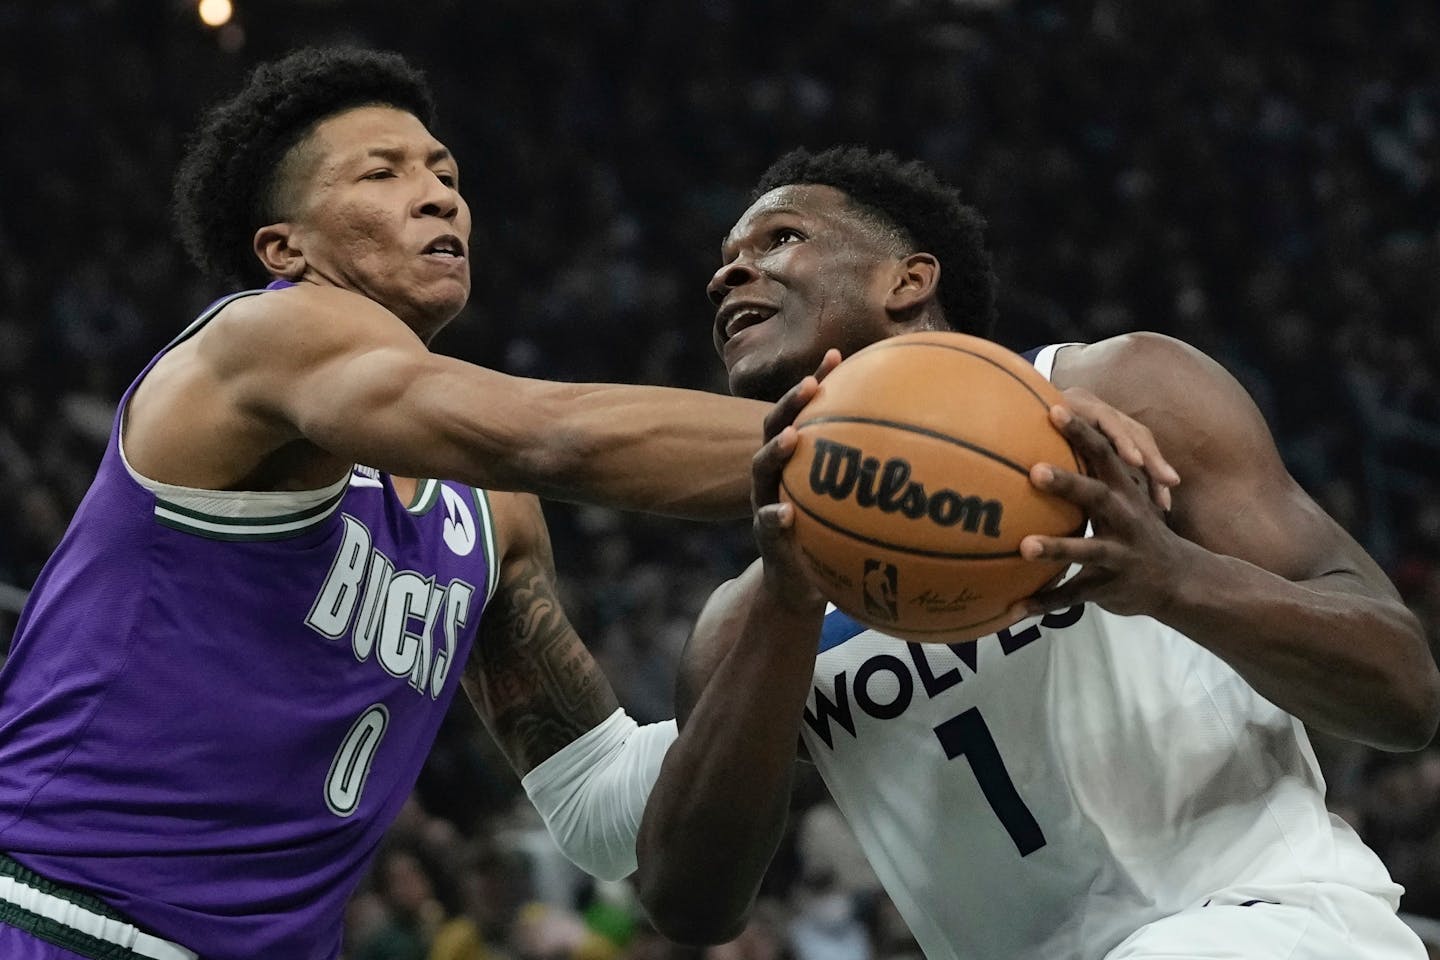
840,471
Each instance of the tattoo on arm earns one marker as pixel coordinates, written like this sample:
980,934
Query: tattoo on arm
529,675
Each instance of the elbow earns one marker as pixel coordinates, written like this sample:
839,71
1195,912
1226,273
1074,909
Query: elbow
1412,715
1421,713
693,923
1422,719
685,911
1408,735
1407,713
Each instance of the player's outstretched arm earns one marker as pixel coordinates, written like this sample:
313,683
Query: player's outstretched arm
718,809
344,373
1250,566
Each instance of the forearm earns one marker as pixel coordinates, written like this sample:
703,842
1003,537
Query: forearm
657,449
719,810
662,450
1327,650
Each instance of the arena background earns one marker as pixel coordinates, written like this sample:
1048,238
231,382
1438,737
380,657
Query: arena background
1261,179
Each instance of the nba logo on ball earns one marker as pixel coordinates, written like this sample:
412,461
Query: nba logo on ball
880,589
910,456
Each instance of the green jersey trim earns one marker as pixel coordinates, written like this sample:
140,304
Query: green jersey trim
427,494
277,527
234,515
75,921
487,525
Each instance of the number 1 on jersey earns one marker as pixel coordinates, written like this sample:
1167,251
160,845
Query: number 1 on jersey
967,735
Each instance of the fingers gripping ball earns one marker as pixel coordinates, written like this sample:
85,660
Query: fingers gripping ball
911,485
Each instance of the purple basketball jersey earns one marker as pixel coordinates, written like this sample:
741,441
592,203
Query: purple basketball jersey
209,721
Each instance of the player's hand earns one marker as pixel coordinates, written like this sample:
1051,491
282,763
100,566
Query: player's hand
1132,440
1133,560
785,573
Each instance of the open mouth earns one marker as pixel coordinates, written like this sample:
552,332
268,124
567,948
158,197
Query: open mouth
742,316
448,247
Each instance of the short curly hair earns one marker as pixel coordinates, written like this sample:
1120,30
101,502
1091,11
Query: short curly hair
228,183
908,198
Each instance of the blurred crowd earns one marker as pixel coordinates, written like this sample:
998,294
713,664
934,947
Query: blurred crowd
1260,179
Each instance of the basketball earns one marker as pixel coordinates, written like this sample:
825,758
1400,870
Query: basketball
911,485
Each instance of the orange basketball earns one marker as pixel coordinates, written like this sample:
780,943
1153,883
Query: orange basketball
912,490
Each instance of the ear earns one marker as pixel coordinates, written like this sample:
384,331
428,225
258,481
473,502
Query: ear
914,283
275,245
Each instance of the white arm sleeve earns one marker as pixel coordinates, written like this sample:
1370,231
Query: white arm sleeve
592,793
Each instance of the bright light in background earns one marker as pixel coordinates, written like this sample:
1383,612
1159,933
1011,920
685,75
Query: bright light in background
215,13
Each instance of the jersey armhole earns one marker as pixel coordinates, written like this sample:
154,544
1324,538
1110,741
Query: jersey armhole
1045,358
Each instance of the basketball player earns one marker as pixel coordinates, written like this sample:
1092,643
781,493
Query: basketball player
298,545
1122,773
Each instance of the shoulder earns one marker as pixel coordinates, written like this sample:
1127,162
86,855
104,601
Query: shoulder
304,318
1140,362
1168,385
1202,418
302,302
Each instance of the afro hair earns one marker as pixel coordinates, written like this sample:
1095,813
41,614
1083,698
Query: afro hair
909,198
226,186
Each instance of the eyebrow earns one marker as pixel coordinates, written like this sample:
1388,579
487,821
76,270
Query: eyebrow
397,154
763,215
782,208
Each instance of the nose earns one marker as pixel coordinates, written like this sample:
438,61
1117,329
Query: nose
734,274
438,200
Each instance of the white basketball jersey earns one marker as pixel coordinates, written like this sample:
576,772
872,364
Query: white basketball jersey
1043,792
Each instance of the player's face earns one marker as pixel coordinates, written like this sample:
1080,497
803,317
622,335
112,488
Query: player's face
380,212
800,273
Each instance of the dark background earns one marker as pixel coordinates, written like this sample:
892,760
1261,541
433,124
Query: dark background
1260,179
